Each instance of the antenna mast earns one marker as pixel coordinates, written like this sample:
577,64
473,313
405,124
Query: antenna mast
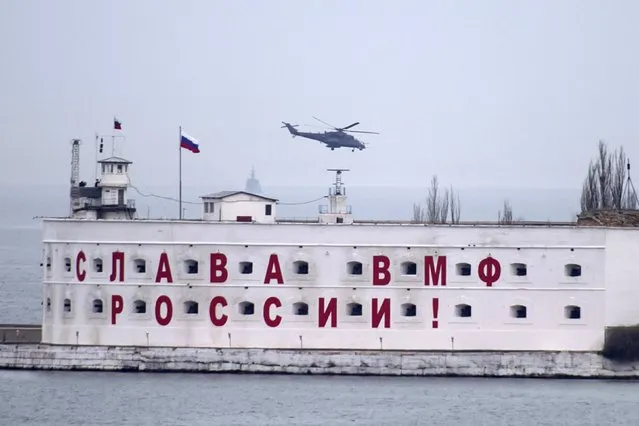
630,197
75,162
75,170
339,186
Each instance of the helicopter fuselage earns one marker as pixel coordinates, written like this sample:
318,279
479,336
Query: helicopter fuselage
333,139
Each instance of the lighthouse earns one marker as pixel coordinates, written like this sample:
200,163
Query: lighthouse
338,210
108,197
114,183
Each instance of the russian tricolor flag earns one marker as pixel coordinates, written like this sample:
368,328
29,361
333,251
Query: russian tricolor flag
189,142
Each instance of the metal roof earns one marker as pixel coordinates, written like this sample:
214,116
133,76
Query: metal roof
118,160
225,194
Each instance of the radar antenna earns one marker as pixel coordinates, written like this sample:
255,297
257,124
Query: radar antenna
339,186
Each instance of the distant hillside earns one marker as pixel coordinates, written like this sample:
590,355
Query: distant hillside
18,205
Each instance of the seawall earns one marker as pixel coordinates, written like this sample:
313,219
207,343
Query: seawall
472,364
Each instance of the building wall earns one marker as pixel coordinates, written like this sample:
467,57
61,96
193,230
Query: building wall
229,208
604,292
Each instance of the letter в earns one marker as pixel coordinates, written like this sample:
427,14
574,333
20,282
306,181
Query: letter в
219,273
381,274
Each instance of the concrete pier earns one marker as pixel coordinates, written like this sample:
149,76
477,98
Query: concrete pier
390,363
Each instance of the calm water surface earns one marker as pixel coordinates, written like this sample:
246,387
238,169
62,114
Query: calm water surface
79,398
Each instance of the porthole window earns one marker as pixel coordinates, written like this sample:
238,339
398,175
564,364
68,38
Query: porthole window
354,268
246,308
300,308
409,310
354,309
463,310
409,268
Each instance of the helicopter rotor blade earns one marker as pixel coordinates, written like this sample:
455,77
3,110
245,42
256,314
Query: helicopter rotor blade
361,131
330,125
348,127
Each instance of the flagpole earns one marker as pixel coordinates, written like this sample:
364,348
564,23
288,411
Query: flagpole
180,169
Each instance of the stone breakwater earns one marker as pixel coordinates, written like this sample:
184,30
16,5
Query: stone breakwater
473,364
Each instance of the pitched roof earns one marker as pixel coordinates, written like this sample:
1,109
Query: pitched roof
115,160
225,194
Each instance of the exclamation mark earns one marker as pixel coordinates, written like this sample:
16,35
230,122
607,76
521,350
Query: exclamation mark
435,312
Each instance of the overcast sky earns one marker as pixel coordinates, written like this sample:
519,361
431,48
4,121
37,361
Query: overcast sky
490,93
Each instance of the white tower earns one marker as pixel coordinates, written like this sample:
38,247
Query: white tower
114,183
338,210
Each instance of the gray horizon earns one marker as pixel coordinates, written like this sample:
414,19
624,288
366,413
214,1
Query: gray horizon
498,99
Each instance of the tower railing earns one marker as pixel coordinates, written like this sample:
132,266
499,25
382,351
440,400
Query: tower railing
325,209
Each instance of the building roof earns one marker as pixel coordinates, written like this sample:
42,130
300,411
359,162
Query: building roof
112,160
225,194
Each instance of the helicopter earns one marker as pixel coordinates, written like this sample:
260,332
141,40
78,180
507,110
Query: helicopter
338,138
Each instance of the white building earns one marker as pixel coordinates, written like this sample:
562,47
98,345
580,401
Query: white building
238,206
108,198
358,286
333,284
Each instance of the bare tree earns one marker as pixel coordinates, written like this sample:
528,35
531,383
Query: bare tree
418,213
432,202
618,179
454,207
605,176
505,216
590,192
443,207
605,183
438,205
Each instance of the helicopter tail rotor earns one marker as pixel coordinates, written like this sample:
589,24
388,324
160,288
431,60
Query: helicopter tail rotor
290,127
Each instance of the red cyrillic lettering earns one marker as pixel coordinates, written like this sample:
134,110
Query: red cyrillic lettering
116,257
164,269
80,273
273,270
381,311
163,299
219,273
436,276
218,322
380,267
267,311
326,312
117,306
